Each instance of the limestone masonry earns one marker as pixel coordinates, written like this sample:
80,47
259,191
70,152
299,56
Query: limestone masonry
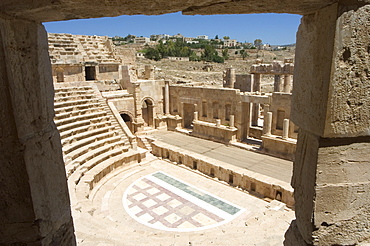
84,153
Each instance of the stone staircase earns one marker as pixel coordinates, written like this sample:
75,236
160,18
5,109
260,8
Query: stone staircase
90,134
72,49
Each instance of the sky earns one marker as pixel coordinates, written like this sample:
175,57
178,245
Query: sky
274,29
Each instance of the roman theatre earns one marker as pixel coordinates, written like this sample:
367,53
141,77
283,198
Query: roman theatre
95,150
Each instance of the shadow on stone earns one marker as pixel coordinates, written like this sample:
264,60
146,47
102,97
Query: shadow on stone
293,237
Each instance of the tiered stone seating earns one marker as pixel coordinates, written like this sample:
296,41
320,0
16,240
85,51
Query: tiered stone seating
67,48
89,132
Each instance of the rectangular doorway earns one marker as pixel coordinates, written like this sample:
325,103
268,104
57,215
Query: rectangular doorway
188,115
90,73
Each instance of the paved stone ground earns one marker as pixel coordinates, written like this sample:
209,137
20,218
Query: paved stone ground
267,165
159,203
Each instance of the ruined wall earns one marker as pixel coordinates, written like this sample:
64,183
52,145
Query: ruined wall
108,72
243,82
281,109
124,105
209,101
153,90
68,73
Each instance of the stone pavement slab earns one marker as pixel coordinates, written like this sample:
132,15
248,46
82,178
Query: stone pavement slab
198,210
256,162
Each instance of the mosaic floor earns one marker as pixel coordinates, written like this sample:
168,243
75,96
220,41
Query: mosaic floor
163,202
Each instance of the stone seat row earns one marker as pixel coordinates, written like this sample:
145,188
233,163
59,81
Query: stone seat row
63,104
87,133
75,148
84,117
74,97
77,134
75,108
64,52
79,112
92,156
72,93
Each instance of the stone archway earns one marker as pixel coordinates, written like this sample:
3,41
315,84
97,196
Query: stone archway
127,118
147,108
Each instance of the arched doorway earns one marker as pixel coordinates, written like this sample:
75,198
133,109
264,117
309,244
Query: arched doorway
147,112
128,120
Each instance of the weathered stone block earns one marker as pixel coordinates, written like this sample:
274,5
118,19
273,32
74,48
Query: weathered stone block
335,82
347,163
341,214
313,69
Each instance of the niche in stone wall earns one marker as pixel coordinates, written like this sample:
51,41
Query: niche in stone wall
227,111
280,119
215,110
204,109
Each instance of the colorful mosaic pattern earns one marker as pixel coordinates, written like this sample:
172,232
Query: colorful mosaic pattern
166,203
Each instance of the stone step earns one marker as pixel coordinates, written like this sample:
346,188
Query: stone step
92,158
103,159
97,150
72,88
78,118
70,93
91,144
84,143
75,113
72,108
85,131
88,122
75,97
79,135
77,102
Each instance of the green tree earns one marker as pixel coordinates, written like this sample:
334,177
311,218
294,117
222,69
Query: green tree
225,54
226,37
244,54
258,43
216,37
210,54
152,54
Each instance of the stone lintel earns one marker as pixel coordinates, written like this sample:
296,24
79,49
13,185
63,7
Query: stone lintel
48,10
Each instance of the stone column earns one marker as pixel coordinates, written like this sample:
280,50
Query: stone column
256,106
138,121
232,121
286,129
331,105
195,115
277,83
266,109
230,78
218,122
167,97
268,124
34,198
287,83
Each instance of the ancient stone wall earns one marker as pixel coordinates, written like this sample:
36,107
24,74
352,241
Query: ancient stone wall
83,58
211,103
